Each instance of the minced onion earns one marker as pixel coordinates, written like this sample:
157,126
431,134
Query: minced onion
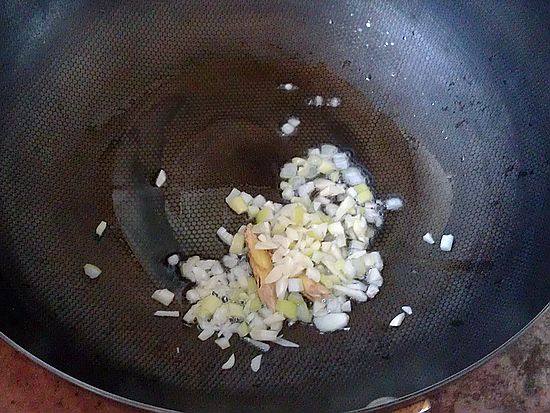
224,235
173,260
229,363
101,228
287,129
295,285
397,320
162,313
317,247
230,260
374,278
92,271
357,295
446,242
394,204
334,102
206,334
222,342
163,296
353,176
161,178
294,121
346,307
372,291
427,237
340,160
316,101
288,87
285,343
258,344
255,363
331,322
263,335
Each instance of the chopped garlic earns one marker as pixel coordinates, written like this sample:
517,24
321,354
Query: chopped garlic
316,101
428,238
357,295
224,235
374,277
288,87
234,193
331,322
328,149
294,121
161,178
259,201
92,271
346,307
372,291
237,244
446,242
164,296
101,228
286,343
397,320
258,344
247,198
393,204
173,260
161,313
334,102
238,204
229,363
340,161
313,249
206,334
222,342
288,171
255,363
287,129
295,285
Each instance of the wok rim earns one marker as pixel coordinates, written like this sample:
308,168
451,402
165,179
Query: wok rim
401,400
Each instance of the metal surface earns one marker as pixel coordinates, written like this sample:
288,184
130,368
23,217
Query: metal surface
446,106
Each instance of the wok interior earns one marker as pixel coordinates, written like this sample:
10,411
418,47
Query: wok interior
193,89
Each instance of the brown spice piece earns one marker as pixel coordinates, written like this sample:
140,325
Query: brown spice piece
260,262
313,290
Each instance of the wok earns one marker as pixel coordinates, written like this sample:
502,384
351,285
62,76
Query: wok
446,103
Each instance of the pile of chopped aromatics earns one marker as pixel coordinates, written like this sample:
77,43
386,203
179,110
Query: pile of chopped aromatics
306,260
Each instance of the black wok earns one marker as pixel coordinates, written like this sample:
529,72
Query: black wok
446,103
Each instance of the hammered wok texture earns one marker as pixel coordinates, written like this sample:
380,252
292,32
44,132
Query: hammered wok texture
453,128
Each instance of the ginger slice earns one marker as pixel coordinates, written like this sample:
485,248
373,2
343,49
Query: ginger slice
313,290
260,262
